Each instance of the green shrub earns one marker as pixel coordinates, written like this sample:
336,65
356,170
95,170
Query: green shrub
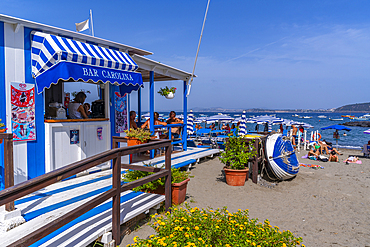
177,176
208,227
237,152
141,134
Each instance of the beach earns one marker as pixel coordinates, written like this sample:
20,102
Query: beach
326,207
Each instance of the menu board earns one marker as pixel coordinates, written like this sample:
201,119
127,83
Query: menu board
120,108
23,111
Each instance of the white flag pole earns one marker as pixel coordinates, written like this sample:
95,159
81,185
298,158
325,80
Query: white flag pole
196,56
92,26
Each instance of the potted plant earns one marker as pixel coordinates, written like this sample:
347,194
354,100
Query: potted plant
179,180
2,129
137,136
169,93
238,151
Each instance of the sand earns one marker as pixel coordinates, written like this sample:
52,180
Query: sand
326,207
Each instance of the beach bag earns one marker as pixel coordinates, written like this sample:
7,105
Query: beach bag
323,158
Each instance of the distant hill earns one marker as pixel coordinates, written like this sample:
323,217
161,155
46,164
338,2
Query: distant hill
362,107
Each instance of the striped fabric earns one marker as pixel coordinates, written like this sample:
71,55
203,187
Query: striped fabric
242,125
48,50
190,124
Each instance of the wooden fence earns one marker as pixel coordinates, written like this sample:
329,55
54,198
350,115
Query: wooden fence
9,194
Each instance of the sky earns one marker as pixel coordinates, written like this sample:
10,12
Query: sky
254,54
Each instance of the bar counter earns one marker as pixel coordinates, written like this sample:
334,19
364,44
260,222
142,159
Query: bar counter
75,120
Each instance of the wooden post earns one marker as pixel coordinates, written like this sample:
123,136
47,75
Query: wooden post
116,202
167,188
8,166
255,164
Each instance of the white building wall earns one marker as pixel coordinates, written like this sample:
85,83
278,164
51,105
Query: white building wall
15,72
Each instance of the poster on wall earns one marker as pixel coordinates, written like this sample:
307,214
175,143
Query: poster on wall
120,108
99,132
23,111
74,136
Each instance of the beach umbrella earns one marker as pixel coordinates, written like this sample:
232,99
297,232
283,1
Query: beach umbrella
190,123
336,127
264,119
220,118
367,131
269,120
242,126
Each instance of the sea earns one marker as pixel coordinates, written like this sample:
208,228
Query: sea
355,139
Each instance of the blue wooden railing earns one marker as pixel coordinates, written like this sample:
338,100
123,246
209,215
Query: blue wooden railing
183,136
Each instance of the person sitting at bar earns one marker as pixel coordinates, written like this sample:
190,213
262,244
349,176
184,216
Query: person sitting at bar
132,120
76,109
156,122
175,131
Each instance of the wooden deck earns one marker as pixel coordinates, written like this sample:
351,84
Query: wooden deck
54,201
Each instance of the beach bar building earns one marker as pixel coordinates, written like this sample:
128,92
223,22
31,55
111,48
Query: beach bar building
38,63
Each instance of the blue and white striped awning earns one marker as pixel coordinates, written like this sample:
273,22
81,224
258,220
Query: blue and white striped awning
55,58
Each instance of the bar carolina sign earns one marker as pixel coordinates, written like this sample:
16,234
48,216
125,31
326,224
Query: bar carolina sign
80,72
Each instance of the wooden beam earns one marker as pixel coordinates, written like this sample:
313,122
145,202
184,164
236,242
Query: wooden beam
116,184
167,189
9,167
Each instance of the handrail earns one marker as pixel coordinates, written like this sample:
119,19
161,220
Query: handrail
10,194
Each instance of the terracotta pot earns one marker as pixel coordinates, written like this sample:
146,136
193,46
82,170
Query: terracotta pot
2,131
236,177
178,191
132,141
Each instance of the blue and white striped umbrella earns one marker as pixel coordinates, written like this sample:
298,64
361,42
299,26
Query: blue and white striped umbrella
190,123
242,125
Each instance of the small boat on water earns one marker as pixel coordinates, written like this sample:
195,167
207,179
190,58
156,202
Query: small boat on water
282,160
322,116
295,115
362,118
306,117
236,115
336,119
347,116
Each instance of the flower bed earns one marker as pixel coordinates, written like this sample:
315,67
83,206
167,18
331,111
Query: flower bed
208,227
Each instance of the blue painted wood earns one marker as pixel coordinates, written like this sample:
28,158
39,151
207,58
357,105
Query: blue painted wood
151,106
112,90
185,132
35,149
185,163
91,213
139,106
2,101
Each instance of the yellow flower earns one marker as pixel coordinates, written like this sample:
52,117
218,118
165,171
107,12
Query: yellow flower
199,238
217,227
171,235
135,239
196,228
284,245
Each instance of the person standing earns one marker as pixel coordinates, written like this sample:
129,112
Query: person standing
76,109
294,135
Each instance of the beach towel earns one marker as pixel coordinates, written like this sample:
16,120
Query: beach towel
323,158
357,162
